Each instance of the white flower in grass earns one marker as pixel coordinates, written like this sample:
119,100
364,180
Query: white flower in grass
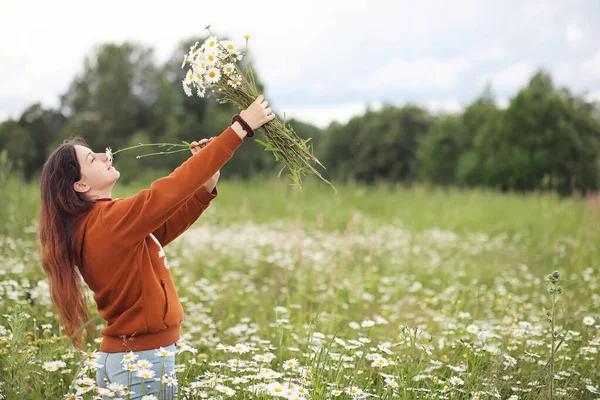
336,392
589,321
87,381
235,81
144,364
129,358
169,380
380,362
472,329
116,387
592,389
130,367
293,363
456,381
145,373
163,353
50,366
367,323
213,75
240,348
354,325
229,69
105,392
149,397
275,389
354,391
73,396
225,390
391,382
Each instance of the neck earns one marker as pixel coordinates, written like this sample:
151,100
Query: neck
100,194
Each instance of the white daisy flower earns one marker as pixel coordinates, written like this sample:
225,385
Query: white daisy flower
116,387
235,81
391,382
186,88
73,396
169,380
236,56
336,392
144,364
210,44
213,75
240,348
228,45
105,392
472,329
145,373
367,323
293,363
211,59
380,362
130,367
163,353
87,381
354,391
229,69
589,321
129,357
149,397
50,366
456,381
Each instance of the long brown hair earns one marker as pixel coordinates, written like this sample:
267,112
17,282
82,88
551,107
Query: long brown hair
61,207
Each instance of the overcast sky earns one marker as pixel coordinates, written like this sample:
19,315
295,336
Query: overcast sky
320,60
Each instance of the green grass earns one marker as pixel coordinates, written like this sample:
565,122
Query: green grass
452,281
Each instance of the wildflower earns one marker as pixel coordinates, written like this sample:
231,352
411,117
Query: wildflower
144,364
472,329
290,364
354,391
129,358
229,69
169,380
589,321
456,381
213,75
367,323
116,387
240,348
105,392
72,396
246,37
163,353
50,366
149,397
235,81
145,373
109,154
380,362
391,382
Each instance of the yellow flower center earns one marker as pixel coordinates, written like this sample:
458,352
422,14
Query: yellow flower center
246,36
212,74
211,44
230,46
277,390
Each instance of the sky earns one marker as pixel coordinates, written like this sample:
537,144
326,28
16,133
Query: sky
320,61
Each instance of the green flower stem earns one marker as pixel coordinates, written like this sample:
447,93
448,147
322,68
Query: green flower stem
149,144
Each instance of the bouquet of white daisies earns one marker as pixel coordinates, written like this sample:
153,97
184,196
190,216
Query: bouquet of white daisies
213,69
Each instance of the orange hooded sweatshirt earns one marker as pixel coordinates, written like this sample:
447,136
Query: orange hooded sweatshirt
119,250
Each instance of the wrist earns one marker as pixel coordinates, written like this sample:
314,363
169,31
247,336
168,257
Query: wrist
245,125
237,128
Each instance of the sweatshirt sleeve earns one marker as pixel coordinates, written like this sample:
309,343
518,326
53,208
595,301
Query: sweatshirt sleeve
131,219
185,217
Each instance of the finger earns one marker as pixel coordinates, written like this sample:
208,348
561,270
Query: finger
259,99
268,111
265,104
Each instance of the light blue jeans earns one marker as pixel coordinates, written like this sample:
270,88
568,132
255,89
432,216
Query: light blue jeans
112,371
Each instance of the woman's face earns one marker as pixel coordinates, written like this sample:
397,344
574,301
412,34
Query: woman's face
97,172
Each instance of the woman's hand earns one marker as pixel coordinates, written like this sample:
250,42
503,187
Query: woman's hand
195,147
257,114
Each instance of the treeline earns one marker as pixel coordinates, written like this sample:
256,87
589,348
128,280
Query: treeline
546,139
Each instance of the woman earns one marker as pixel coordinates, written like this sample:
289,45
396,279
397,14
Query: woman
116,246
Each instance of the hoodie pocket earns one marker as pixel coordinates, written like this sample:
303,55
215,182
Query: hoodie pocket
173,311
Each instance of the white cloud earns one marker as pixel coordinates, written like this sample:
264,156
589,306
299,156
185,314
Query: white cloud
511,78
573,34
591,67
322,116
422,73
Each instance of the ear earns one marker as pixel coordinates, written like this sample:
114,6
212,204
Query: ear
81,187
